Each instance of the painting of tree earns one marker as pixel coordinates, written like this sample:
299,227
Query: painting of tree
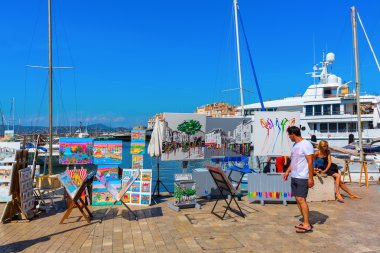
189,127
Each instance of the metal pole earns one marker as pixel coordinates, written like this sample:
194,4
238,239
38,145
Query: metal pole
50,89
355,44
238,56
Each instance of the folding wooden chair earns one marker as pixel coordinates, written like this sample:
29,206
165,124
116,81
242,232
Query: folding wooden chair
224,185
77,201
119,195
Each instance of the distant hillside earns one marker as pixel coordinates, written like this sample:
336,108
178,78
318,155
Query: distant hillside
94,128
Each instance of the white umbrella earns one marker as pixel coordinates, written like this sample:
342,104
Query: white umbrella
155,150
155,144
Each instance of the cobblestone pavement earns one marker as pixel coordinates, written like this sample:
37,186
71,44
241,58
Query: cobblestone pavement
353,226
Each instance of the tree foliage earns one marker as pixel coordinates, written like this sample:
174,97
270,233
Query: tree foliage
190,127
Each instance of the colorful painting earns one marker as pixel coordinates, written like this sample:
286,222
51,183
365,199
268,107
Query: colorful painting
103,195
9,135
145,186
75,151
5,173
68,183
126,198
146,176
127,174
8,151
138,142
108,152
145,199
78,176
184,136
135,187
270,137
135,198
137,161
127,184
4,192
26,189
111,172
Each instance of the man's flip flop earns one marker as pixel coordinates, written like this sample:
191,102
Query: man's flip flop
304,230
301,226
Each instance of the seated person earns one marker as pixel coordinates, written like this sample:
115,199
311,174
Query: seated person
322,164
282,164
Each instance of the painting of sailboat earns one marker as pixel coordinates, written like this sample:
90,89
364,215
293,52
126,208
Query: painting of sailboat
75,151
108,152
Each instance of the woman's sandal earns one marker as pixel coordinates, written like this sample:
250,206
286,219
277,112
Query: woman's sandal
339,198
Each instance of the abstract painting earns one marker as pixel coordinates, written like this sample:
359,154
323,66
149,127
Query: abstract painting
108,152
270,137
184,136
138,142
8,151
75,151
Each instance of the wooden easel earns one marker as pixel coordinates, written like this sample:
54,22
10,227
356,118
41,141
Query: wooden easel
78,202
346,170
364,168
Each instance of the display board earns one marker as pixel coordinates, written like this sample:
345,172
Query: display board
8,151
184,136
140,191
138,142
5,181
26,189
108,152
270,136
68,183
75,151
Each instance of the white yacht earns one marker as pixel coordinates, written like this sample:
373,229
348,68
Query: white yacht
328,109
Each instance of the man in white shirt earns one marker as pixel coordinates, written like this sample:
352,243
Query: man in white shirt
301,167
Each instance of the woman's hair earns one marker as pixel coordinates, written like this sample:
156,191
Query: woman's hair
321,149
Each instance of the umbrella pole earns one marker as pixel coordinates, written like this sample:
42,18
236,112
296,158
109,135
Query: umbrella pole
159,182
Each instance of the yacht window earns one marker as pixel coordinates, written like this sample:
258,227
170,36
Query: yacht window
355,110
370,125
342,127
336,109
351,127
332,127
309,110
317,110
323,128
326,109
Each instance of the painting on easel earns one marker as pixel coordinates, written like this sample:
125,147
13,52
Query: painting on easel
8,151
75,151
68,183
138,142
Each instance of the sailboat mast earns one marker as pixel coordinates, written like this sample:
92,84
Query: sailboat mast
355,43
238,56
50,89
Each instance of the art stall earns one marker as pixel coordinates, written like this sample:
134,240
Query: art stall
271,140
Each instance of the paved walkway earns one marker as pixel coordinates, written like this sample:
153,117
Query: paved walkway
350,227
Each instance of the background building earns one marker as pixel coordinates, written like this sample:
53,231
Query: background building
217,110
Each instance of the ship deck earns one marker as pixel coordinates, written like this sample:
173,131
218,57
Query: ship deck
353,226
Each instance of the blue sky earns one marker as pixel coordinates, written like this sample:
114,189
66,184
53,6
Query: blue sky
133,59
